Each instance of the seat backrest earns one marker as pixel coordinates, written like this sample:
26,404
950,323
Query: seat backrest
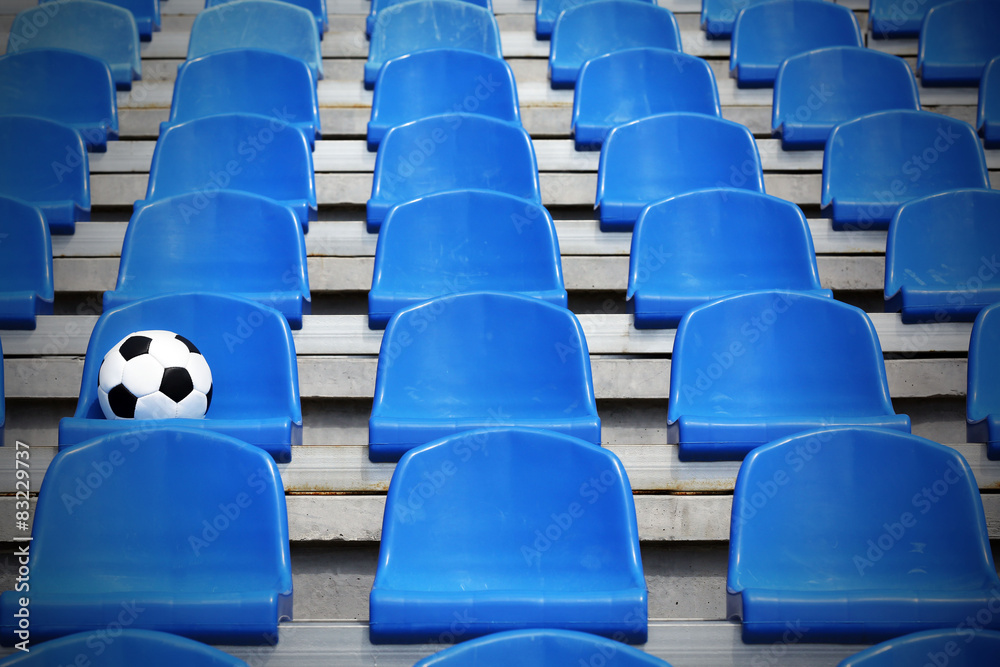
379,5
879,161
721,240
988,111
816,90
626,85
247,345
839,500
718,16
96,28
669,154
891,18
774,353
69,87
257,81
506,484
957,39
437,81
145,12
983,395
430,24
942,242
539,648
476,351
316,7
44,163
261,24
595,28
25,249
957,647
463,241
547,11
767,33
142,523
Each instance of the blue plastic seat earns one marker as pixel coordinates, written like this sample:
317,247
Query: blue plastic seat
962,647
767,33
127,647
934,256
540,648
246,152
451,152
430,24
176,530
257,81
666,155
316,7
856,535
696,247
379,5
233,242
817,90
248,346
145,12
3,402
475,360
875,163
45,163
548,11
623,86
596,28
523,528
757,366
988,114
437,81
957,39
464,241
98,29
983,396
25,265
719,16
258,24
891,18
65,86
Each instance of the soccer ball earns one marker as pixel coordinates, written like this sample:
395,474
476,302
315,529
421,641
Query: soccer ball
154,375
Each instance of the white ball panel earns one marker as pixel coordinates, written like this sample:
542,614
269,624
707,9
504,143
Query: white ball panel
102,398
142,375
193,406
169,351
155,406
111,371
201,374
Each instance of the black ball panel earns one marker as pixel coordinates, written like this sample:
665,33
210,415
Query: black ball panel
176,383
122,402
134,346
208,396
190,346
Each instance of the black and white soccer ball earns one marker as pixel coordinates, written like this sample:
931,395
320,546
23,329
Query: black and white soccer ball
154,375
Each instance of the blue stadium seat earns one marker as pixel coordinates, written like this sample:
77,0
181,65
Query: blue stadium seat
666,155
255,385
45,163
98,29
258,24
752,367
247,152
475,360
856,535
128,647
623,86
895,18
957,39
25,265
983,396
3,402
451,152
145,12
702,245
232,242
541,648
378,5
988,115
316,7
170,529
766,33
548,11
875,163
65,86
817,90
937,253
437,81
719,16
599,27
464,241
430,24
523,528
258,81
954,647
